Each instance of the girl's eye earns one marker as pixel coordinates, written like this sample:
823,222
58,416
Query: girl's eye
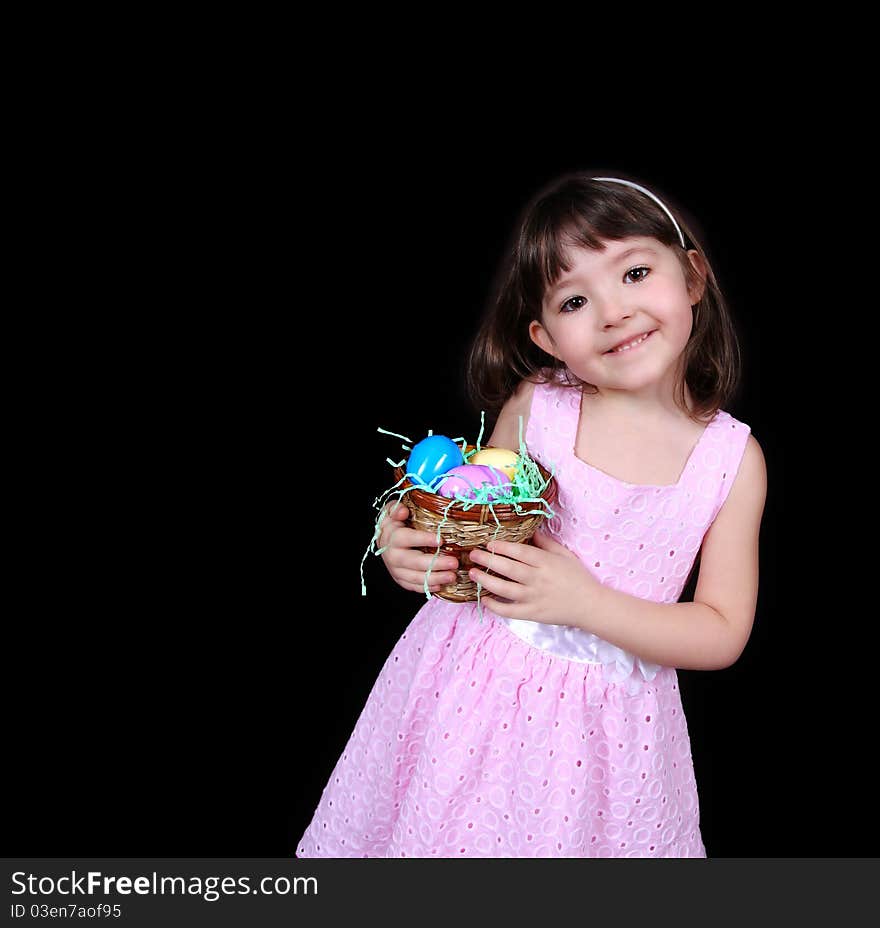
577,302
633,270
573,302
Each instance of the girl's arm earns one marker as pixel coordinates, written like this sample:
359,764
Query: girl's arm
547,583
710,632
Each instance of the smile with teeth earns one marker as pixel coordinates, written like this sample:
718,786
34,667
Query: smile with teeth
630,345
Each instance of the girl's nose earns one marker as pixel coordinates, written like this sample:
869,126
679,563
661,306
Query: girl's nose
613,312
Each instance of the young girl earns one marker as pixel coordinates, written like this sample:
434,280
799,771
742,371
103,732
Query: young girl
550,723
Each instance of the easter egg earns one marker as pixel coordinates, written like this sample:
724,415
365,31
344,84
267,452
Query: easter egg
431,458
499,458
468,478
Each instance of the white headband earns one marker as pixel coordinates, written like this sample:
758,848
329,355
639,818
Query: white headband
629,183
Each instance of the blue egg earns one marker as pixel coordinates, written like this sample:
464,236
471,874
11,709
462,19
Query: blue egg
431,458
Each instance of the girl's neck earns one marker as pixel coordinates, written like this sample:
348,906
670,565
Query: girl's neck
648,406
655,403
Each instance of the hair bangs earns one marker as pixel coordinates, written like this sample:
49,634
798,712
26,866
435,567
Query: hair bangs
563,220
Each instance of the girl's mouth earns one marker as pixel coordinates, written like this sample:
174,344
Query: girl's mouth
632,345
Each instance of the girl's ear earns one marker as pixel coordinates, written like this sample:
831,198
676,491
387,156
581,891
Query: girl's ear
696,289
541,337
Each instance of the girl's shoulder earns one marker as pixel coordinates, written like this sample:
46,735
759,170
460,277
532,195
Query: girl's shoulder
519,405
753,464
507,427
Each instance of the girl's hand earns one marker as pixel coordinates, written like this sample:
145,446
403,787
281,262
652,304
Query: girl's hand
406,565
546,582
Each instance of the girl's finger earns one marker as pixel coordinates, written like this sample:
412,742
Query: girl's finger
506,609
396,510
422,563
416,579
517,551
402,537
497,585
417,539
392,521
543,540
418,576
409,550
505,566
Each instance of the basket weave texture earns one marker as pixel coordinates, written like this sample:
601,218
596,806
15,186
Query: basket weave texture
466,529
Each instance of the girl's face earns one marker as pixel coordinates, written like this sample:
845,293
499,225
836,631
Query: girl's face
631,289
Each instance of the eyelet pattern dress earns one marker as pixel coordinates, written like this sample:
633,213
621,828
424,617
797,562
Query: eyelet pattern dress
491,737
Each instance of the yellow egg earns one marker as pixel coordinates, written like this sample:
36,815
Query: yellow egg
499,458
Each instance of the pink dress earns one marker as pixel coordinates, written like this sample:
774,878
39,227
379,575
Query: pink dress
493,737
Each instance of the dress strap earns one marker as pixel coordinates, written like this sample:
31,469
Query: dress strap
732,447
553,419
713,465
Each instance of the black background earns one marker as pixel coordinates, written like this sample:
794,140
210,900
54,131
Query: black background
208,360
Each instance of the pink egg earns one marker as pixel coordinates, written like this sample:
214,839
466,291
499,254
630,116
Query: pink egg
465,479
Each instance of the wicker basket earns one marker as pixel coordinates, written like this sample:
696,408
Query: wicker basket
465,529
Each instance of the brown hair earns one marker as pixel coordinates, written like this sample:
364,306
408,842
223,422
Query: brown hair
575,209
